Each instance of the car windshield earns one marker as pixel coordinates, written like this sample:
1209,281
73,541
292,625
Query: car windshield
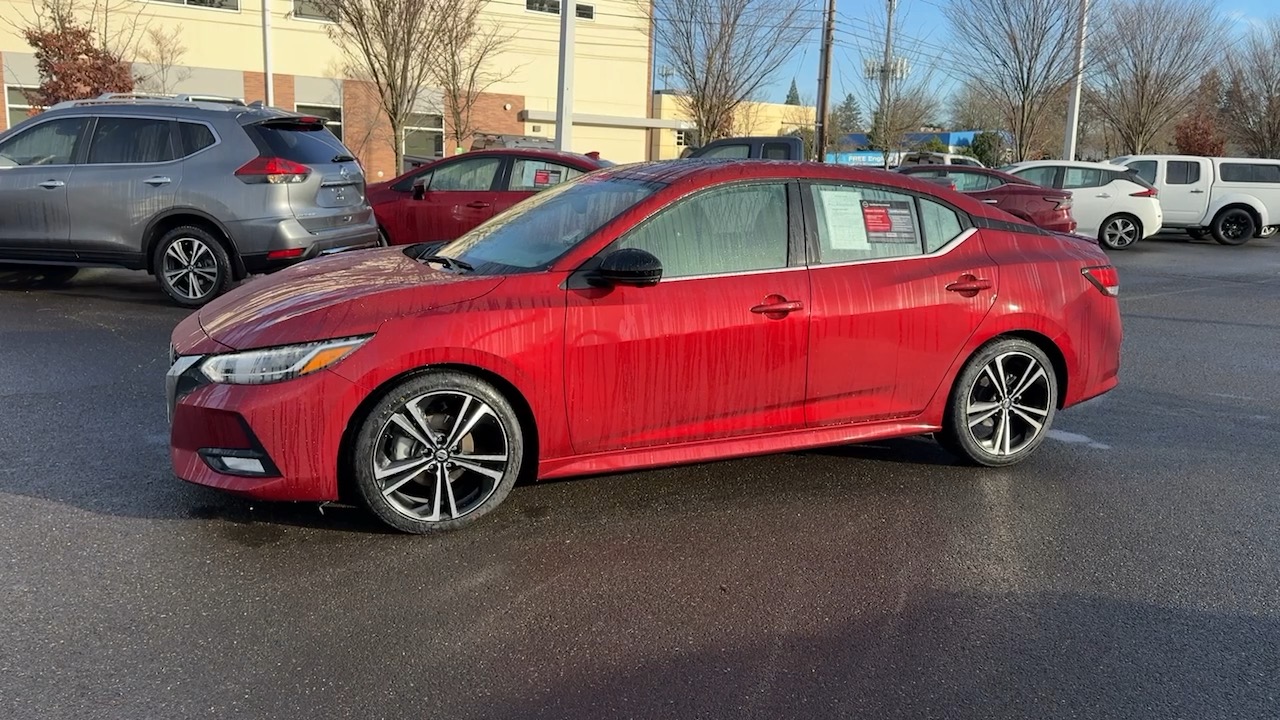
537,231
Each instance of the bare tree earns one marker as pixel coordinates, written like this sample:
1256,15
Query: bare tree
466,46
1251,108
393,45
911,93
163,51
1020,53
972,109
725,51
1141,88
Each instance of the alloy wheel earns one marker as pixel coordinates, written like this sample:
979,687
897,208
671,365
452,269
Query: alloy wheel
1009,403
1121,233
1235,227
441,455
190,268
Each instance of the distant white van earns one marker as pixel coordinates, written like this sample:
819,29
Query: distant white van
1232,199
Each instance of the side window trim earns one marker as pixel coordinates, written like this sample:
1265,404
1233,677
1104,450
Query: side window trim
793,227
813,243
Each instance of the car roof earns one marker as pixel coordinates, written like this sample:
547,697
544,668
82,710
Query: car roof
1067,163
971,169
690,173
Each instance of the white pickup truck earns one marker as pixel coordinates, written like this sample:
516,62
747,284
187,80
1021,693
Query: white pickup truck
1232,199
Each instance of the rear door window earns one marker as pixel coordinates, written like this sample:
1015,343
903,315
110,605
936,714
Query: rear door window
306,143
734,152
1043,176
122,140
531,175
1181,172
1082,178
776,151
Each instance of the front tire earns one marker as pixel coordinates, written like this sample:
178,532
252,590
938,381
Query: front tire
1120,232
1002,405
191,266
1233,226
437,453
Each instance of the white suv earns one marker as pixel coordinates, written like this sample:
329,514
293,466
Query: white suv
1109,202
1234,199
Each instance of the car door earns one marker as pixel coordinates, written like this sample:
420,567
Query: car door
1093,199
530,175
1184,194
900,284
36,165
457,196
716,349
130,175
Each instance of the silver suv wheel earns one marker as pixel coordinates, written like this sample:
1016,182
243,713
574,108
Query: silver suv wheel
191,266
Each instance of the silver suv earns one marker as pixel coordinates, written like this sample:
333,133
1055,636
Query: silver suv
200,192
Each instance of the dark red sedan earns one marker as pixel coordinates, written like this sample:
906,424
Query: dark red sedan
446,198
647,315
1043,207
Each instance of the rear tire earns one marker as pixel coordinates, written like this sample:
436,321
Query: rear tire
191,266
36,276
1120,232
1002,405
1234,226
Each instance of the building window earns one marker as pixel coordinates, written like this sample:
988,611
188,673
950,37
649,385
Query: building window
683,138
211,4
16,101
424,135
581,11
332,116
311,10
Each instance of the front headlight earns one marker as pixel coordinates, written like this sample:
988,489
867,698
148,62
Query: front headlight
268,365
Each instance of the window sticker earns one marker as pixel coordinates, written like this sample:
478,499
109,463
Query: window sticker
841,213
889,221
540,177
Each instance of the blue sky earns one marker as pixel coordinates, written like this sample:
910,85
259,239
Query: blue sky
922,31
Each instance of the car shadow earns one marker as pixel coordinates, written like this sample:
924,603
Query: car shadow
938,654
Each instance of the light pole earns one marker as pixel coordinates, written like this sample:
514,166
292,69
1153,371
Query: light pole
564,94
1073,104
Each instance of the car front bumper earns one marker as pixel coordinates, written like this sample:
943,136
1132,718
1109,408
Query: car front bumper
277,441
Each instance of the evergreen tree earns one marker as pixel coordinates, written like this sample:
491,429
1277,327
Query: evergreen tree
793,95
846,119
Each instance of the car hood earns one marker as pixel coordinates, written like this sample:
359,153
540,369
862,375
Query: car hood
351,293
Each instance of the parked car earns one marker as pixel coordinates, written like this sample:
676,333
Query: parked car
937,158
444,199
197,192
1044,207
765,147
646,315
1232,199
1109,202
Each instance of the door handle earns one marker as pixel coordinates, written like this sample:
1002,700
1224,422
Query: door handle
776,307
991,201
52,184
1197,192
969,285
478,204
157,181
1104,195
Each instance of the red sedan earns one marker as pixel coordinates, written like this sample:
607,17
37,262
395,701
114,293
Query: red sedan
442,200
647,315
1044,207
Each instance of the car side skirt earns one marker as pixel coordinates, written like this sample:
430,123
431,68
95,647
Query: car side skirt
728,448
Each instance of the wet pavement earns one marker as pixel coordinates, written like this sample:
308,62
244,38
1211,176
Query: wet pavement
1130,570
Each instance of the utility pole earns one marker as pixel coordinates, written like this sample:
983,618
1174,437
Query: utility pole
886,68
824,84
564,97
268,84
1073,104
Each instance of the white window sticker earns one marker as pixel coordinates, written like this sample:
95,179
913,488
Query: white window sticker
841,214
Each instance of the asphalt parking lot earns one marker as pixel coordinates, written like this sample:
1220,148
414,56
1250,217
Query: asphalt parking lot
1130,570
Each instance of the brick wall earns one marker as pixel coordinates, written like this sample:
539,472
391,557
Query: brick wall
255,88
489,115
366,130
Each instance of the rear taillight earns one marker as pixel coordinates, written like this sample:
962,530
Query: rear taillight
272,170
1148,192
1061,203
1104,277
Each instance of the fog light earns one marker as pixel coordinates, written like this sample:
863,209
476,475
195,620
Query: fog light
252,463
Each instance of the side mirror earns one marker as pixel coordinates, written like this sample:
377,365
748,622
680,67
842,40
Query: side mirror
420,187
629,266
